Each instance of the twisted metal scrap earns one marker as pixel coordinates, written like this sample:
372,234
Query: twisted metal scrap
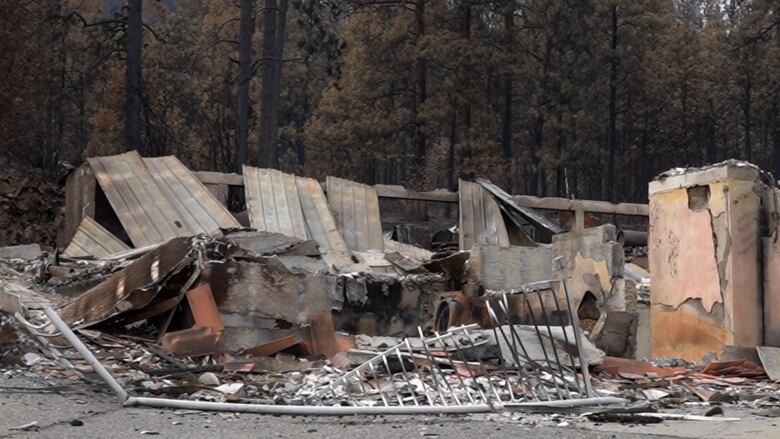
441,374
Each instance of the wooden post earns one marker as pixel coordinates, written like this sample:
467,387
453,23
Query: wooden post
579,219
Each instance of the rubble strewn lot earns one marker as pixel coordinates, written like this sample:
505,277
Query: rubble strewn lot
305,305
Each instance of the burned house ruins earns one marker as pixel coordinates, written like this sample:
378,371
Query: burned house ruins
269,292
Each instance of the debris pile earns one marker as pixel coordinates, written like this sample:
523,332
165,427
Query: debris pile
30,208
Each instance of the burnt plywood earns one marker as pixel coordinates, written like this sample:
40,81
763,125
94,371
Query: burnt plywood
273,203
193,202
142,208
91,239
356,208
480,217
320,223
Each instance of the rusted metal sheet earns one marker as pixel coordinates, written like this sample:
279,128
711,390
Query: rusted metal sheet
272,202
356,208
294,206
198,340
204,309
130,289
202,211
480,217
142,208
321,224
323,335
91,239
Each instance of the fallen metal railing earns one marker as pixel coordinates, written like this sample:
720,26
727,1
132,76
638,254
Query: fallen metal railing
536,363
551,374
426,375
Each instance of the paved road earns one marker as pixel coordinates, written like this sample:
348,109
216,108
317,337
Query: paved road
132,422
97,415
103,418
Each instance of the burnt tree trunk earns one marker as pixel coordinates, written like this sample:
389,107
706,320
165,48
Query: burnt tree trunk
506,122
776,141
281,28
134,103
612,136
274,26
710,133
746,110
420,80
247,29
267,110
451,149
466,133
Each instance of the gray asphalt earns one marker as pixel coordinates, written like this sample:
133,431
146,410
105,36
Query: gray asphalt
102,417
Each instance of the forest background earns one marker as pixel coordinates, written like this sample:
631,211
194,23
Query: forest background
573,98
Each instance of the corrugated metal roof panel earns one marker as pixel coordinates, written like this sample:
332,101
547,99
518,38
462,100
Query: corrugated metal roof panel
294,206
356,207
480,217
146,214
321,224
91,239
191,199
527,213
272,202
158,198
